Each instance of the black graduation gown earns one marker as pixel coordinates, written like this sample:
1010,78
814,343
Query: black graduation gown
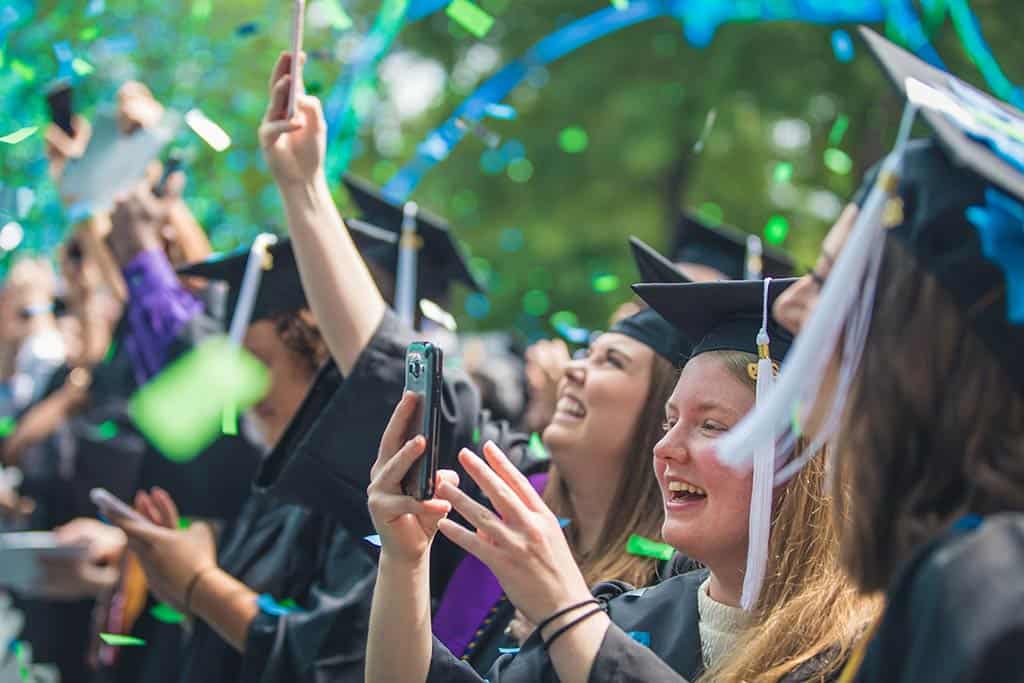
329,469
956,611
667,612
291,552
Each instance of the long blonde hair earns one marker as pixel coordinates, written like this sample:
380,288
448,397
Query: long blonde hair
639,509
807,607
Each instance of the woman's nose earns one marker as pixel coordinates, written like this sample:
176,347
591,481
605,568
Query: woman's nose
671,446
576,372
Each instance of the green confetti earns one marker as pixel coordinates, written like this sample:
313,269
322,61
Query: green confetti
107,430
605,283
82,67
201,9
645,547
335,15
470,17
111,351
289,603
797,429
620,4
573,140
835,136
2,56
180,410
184,522
19,135
838,161
89,33
7,426
476,435
229,420
166,614
783,172
537,448
776,229
564,319
23,70
118,640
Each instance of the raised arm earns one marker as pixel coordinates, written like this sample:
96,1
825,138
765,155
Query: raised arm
344,299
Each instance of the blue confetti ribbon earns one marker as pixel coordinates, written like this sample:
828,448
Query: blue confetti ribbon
1000,225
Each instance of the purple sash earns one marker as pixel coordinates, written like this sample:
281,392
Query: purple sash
469,596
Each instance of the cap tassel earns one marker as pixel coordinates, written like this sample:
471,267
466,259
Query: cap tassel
764,474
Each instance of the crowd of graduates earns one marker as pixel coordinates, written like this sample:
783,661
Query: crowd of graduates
750,476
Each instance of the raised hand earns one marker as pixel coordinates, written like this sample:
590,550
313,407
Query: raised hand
406,525
520,541
294,148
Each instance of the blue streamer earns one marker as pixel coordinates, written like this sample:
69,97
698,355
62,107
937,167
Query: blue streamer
1000,225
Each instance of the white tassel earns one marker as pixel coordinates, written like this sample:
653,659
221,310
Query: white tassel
759,529
844,305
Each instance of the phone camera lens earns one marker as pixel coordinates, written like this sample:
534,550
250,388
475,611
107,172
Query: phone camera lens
415,368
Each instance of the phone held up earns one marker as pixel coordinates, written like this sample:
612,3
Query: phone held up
423,376
58,98
298,21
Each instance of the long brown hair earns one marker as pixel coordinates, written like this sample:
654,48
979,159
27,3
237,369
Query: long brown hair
933,427
639,509
808,608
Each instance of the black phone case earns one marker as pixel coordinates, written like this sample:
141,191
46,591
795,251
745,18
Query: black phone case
58,98
424,376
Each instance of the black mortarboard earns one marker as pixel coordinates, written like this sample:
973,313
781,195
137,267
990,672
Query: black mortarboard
280,286
652,266
717,316
440,262
723,248
961,196
651,329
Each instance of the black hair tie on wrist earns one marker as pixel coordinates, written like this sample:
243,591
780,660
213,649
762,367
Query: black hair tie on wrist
572,624
562,612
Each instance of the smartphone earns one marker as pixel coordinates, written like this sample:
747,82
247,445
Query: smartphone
107,502
298,20
58,98
423,376
175,161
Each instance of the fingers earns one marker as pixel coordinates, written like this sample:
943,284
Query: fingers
515,479
466,539
504,499
389,476
312,110
277,110
391,506
165,506
282,68
398,426
175,187
476,514
449,476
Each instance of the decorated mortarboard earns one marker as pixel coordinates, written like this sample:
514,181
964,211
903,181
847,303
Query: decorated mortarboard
280,287
440,261
652,266
725,249
719,316
955,203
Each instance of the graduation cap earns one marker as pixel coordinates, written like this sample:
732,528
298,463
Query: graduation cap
719,316
652,266
726,249
960,195
734,316
440,261
280,288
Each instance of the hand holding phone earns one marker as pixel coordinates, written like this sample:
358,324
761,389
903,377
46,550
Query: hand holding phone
108,503
298,21
424,376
